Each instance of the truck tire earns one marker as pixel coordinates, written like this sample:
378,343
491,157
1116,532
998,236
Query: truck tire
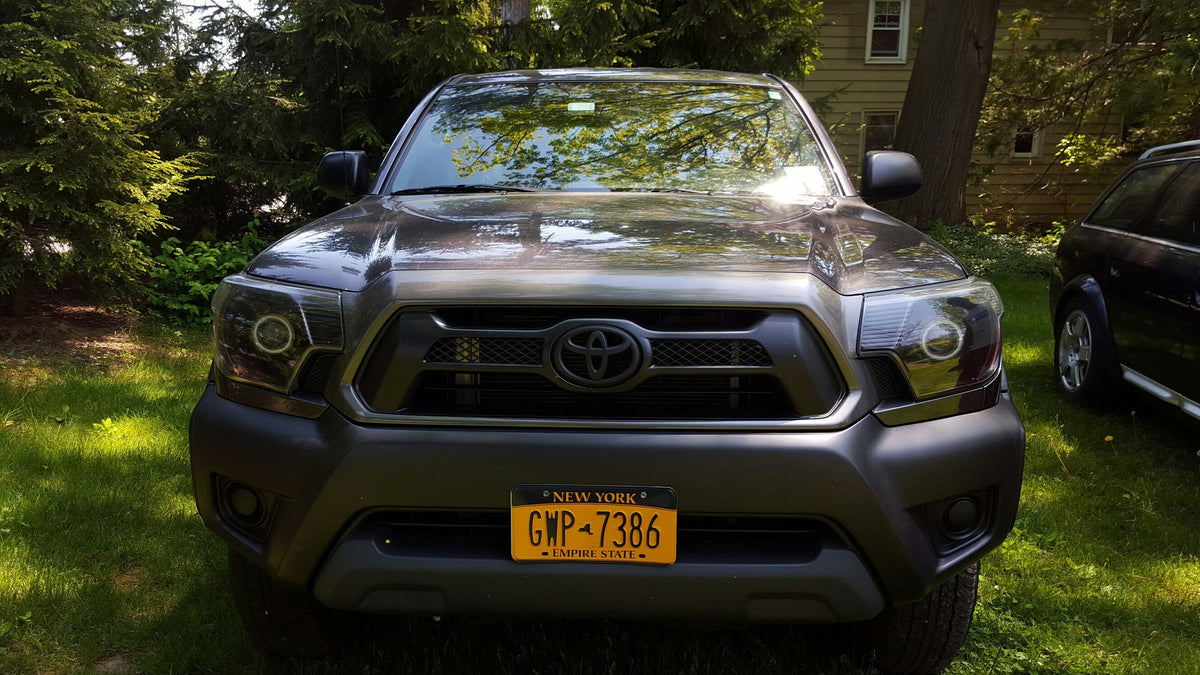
924,637
281,620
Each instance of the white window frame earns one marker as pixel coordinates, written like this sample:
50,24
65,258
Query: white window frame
1035,150
902,56
1143,40
862,136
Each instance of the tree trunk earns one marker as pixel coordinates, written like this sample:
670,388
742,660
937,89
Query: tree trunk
15,302
941,106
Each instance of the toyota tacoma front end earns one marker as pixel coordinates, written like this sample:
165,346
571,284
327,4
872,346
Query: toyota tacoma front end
610,344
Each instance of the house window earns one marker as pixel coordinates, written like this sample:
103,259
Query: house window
879,130
1027,143
1133,28
887,31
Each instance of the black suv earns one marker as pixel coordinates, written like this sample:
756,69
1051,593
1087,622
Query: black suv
1125,293
610,344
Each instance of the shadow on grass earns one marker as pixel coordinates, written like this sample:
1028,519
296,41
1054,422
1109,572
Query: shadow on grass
407,645
1100,573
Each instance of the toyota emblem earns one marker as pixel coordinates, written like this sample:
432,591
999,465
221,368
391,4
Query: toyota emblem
596,356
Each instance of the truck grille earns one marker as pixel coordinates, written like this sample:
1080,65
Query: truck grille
498,351
593,363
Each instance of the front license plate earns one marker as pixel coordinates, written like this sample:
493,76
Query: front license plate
593,523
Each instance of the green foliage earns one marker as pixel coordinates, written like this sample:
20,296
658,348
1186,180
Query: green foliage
77,181
316,75
598,34
776,36
1079,150
185,277
1132,83
988,253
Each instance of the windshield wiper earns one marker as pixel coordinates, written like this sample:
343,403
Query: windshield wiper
682,191
463,189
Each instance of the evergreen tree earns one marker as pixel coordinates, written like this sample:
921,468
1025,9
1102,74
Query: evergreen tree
77,182
310,76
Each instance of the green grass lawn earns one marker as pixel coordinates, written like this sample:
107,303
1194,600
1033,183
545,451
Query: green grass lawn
104,564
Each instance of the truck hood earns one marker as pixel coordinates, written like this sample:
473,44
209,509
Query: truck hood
848,245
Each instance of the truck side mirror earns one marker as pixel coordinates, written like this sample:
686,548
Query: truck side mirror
344,174
888,174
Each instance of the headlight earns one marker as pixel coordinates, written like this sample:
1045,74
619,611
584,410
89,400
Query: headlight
947,336
265,330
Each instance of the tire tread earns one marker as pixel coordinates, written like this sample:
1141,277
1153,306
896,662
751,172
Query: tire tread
282,621
925,636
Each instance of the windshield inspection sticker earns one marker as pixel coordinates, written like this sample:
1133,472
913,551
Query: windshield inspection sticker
581,106
774,94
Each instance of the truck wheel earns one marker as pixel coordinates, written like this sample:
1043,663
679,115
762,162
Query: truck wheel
1083,355
924,637
283,621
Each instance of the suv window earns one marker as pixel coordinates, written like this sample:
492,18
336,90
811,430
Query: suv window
1178,214
615,136
1129,200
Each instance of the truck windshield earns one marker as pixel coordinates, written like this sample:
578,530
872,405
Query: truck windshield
614,136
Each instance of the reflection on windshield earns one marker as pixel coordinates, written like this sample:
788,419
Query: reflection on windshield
615,136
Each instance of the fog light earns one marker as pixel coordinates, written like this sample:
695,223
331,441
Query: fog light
244,504
958,522
961,517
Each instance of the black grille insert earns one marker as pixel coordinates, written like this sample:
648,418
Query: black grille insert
701,539
887,381
315,375
487,351
708,352
680,397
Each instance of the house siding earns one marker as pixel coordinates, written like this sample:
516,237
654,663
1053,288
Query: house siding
1014,191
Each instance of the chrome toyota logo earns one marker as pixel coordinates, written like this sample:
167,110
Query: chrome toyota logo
596,356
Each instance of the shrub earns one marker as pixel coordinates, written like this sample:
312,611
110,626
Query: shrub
988,253
185,277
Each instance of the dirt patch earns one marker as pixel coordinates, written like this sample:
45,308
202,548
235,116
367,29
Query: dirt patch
65,327
113,665
128,580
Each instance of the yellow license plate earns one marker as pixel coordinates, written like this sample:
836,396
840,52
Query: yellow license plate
589,523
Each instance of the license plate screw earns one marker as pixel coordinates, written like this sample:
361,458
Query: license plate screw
545,493
643,494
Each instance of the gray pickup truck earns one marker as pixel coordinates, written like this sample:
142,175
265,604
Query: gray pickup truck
610,343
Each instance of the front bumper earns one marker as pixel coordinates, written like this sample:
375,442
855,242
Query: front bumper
874,494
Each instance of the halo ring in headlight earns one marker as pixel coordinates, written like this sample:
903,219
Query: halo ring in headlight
942,340
272,334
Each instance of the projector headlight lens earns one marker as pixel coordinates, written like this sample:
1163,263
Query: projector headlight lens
265,330
946,336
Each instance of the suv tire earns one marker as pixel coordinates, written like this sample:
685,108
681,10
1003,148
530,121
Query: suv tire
925,636
283,621
1083,355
